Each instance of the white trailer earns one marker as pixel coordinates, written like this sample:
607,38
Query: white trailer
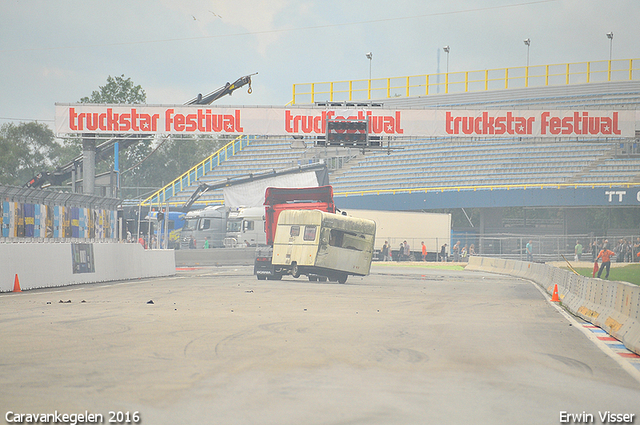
434,229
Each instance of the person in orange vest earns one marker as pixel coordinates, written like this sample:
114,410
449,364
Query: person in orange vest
424,252
605,254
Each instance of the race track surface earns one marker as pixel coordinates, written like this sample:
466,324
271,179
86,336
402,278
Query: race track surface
405,345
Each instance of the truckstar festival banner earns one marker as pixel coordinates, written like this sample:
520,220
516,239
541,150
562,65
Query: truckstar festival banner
144,119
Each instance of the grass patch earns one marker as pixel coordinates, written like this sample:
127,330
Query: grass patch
630,273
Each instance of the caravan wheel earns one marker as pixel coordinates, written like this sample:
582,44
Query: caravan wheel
295,271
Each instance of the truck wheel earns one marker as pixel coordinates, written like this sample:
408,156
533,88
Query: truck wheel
295,271
313,278
262,277
342,278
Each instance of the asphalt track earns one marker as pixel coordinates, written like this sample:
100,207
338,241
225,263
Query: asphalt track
405,345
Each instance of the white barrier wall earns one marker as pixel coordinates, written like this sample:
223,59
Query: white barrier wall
612,306
42,265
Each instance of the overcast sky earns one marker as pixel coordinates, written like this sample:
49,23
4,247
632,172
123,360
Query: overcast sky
60,51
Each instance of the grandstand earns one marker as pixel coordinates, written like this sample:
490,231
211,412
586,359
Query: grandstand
451,162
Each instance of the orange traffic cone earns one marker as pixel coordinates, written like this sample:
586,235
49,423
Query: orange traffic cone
16,285
555,297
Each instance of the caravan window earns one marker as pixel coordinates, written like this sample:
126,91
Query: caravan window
309,233
295,231
348,240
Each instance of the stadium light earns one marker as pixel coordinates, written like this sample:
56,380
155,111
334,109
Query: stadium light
527,42
446,49
610,37
370,57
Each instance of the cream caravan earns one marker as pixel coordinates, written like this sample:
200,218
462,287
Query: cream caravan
323,245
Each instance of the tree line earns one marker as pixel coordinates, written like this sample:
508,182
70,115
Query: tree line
29,148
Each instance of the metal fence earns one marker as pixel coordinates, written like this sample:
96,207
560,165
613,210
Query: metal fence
41,215
545,247
468,81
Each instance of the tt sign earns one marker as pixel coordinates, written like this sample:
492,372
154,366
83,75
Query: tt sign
193,119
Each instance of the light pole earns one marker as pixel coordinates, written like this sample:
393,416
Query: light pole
527,42
610,37
370,57
446,50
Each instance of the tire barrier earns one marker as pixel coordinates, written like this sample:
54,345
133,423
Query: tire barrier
612,306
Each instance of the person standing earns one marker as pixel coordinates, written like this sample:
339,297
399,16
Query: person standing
385,251
578,251
529,249
424,252
407,251
206,242
443,253
456,252
605,254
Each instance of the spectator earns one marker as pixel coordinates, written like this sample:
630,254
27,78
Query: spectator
424,252
407,251
529,250
443,253
578,251
456,252
605,254
472,250
636,251
206,242
385,251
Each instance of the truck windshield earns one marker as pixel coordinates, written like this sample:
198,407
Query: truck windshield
190,224
234,225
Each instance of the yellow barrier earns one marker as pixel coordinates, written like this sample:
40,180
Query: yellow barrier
467,81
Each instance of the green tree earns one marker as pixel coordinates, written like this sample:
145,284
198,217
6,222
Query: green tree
117,90
27,149
151,161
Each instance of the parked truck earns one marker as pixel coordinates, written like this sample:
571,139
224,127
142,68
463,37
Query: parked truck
305,236
199,226
245,227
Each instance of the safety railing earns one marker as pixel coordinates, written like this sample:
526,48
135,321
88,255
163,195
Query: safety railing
191,176
468,81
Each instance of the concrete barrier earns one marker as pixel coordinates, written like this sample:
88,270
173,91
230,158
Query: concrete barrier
612,306
43,265
215,257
